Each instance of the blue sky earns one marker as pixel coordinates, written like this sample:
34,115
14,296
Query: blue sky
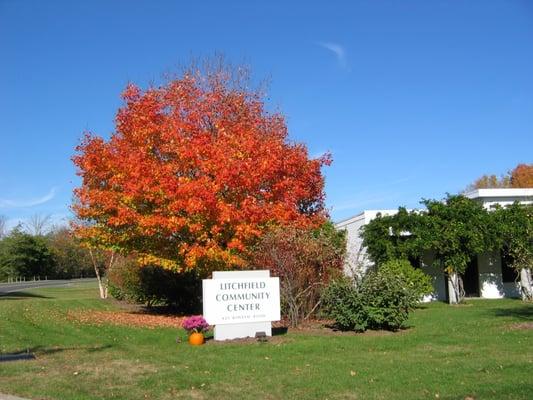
413,98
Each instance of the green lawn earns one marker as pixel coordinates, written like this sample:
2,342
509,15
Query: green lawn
473,350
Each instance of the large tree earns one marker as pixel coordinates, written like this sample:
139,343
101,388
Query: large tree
196,170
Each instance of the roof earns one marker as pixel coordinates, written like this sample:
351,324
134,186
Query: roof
496,195
511,193
362,215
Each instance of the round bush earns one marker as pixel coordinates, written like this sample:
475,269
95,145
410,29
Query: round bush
342,302
416,281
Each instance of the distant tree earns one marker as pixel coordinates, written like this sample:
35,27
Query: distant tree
22,254
38,224
515,232
522,176
490,182
72,260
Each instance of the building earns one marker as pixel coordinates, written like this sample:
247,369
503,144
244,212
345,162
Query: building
487,276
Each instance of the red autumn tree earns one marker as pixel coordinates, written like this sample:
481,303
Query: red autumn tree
194,173
522,176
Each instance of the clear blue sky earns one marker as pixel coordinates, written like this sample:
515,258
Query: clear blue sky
413,98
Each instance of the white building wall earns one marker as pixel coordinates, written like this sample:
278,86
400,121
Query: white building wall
490,275
439,283
357,262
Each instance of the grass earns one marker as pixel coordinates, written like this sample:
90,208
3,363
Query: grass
474,350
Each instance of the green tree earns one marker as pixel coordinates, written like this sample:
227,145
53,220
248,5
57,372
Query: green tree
22,254
455,230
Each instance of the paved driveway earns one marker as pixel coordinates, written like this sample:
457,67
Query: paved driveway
16,287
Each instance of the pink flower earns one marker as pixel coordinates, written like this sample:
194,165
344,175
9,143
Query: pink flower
195,323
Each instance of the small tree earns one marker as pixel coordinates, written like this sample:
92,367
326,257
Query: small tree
515,227
455,230
305,261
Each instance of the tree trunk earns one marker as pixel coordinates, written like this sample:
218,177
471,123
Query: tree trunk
455,292
102,286
526,284
102,281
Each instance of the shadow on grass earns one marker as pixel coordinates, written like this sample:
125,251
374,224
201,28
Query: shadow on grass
524,312
43,350
21,295
280,330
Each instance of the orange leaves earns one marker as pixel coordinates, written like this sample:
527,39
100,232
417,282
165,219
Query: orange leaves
194,173
522,176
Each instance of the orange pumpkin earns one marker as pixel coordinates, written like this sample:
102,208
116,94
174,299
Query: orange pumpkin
196,339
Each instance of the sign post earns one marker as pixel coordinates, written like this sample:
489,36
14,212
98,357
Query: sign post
241,303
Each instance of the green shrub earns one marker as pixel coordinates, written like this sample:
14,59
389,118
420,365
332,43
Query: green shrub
342,302
382,300
156,286
418,283
387,300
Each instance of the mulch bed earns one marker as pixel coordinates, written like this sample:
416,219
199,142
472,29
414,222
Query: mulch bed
128,318
138,317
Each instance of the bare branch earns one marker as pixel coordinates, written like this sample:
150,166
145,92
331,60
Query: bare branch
39,224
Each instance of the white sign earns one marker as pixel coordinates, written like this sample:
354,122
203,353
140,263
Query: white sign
241,300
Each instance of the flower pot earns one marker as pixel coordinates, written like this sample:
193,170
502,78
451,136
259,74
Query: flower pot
196,339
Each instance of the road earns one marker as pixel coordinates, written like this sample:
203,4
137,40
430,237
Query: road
17,287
